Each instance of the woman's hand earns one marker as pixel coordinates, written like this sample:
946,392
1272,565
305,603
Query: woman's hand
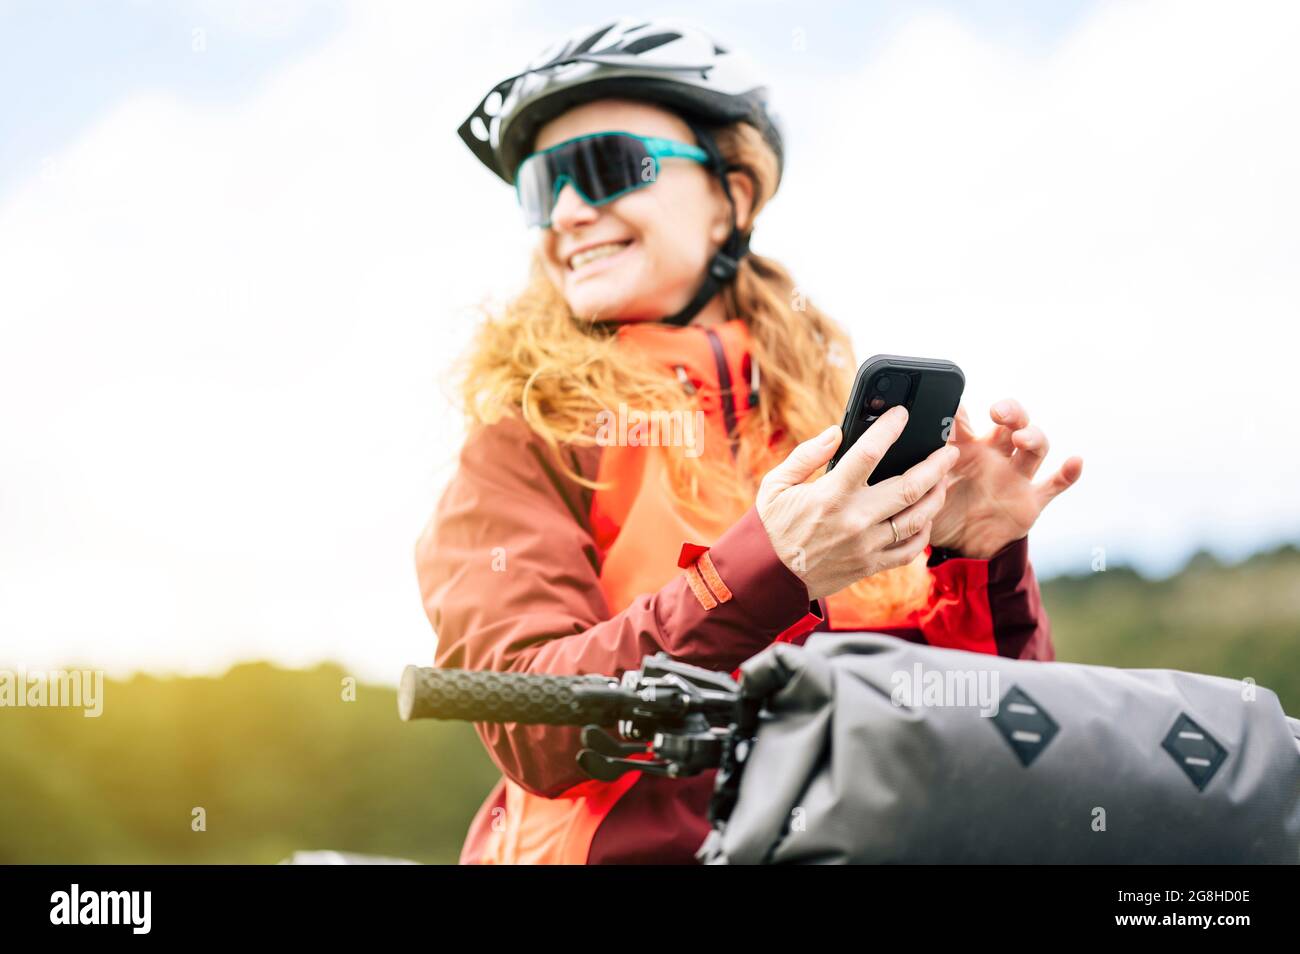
836,530
992,499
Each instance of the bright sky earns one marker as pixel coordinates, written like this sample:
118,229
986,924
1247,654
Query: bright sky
239,243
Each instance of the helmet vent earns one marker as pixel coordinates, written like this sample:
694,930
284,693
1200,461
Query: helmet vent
592,40
650,42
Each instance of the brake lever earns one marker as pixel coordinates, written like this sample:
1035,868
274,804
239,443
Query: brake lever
601,742
604,768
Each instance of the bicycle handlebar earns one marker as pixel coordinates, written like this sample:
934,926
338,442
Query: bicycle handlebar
474,696
683,717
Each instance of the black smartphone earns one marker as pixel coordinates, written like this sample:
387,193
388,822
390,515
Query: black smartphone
930,389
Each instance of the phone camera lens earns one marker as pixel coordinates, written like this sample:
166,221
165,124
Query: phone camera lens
876,403
882,385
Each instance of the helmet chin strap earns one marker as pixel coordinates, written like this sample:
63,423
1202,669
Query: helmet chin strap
726,261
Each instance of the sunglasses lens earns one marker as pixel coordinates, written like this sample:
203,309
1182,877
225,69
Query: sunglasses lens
607,166
600,167
535,184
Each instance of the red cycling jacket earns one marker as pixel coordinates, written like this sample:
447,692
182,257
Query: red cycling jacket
523,569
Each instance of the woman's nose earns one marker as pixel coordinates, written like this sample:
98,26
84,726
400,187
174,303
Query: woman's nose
570,211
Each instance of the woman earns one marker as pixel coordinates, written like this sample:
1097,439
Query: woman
576,538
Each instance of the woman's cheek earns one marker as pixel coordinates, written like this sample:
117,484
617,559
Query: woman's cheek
657,281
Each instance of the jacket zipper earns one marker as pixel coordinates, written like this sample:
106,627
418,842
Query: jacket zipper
724,386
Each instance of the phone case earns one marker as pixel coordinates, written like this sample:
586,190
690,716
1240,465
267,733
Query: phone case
934,392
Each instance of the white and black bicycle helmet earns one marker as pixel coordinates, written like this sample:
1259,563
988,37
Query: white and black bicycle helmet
665,62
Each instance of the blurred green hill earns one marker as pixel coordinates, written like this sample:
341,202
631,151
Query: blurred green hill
275,757
1240,620
281,763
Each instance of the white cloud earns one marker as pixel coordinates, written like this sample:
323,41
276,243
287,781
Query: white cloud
224,331
1107,232
224,327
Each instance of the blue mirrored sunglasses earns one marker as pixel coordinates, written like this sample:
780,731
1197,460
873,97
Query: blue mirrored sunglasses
600,167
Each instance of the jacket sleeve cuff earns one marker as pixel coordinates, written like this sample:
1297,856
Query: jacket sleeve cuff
744,570
796,631
1007,564
1007,567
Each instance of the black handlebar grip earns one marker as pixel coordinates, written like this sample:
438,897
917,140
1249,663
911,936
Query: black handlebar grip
473,696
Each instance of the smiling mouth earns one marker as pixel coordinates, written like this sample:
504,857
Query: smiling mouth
596,253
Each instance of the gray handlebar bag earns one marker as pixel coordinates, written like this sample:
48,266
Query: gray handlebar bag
872,750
